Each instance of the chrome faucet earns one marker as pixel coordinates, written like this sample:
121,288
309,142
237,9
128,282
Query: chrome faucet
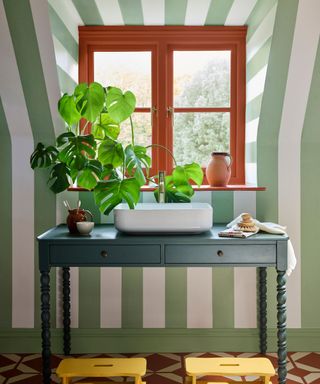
161,188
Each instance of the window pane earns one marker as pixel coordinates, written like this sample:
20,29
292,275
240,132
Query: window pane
125,70
201,78
142,129
196,135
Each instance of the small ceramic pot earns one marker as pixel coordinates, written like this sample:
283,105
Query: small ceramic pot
85,227
218,171
75,216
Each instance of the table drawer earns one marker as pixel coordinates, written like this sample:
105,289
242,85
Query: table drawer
104,254
220,254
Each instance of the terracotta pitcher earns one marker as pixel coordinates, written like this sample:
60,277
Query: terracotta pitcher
76,215
218,171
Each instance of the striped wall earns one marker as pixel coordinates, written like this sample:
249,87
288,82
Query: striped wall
39,54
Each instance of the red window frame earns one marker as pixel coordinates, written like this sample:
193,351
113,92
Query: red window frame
162,41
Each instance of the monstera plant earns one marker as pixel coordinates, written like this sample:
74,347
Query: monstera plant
97,160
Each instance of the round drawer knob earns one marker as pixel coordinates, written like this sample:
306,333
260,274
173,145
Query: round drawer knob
220,253
104,253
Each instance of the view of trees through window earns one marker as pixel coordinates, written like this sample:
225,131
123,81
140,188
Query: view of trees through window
201,80
129,71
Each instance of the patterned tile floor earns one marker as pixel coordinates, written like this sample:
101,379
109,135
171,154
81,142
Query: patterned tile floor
163,368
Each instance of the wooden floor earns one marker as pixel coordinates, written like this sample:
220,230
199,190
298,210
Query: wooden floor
164,368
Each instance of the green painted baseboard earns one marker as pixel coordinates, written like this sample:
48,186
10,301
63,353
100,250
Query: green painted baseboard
156,340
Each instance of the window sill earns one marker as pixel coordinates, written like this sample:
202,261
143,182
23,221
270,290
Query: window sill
147,188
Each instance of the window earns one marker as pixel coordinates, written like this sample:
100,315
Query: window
189,83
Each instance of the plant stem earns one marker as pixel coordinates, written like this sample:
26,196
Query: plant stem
163,147
132,132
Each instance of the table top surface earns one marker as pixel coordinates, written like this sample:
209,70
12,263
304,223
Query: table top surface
108,233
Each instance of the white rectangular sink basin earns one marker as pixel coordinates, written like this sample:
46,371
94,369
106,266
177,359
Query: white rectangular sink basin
164,218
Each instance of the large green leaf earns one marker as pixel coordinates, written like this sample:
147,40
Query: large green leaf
104,126
120,105
88,176
68,109
90,100
109,193
111,152
135,157
58,179
43,157
76,149
183,173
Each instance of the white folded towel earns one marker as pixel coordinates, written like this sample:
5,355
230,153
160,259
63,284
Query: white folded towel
275,229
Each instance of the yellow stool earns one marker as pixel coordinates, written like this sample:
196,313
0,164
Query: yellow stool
229,366
102,367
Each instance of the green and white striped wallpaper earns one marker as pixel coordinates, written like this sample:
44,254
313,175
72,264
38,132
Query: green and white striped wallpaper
140,309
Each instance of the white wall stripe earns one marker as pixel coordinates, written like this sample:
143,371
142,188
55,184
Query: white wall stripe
199,297
304,48
153,12
65,60
68,14
154,310
110,12
251,173
196,12
22,182
262,33
245,297
252,130
255,86
110,297
240,11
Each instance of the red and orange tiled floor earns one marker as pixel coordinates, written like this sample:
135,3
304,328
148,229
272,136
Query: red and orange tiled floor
163,368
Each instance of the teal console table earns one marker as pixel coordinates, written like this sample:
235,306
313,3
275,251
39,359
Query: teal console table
106,247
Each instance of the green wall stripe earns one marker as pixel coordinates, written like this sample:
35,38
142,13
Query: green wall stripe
6,214
269,125
259,60
223,297
176,297
258,13
310,207
89,297
25,44
132,298
218,12
175,12
131,12
66,83
61,32
271,109
89,278
253,108
88,12
222,203
87,202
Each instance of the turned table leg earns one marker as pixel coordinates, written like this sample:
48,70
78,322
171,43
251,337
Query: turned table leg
66,311
45,326
282,333
263,309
